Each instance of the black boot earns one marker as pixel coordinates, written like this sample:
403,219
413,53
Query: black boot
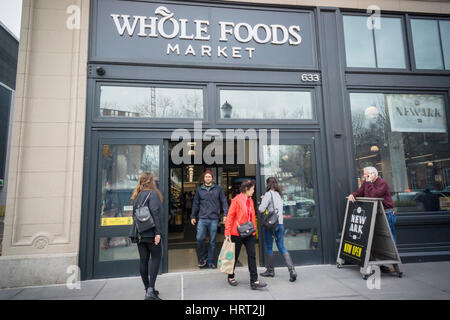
291,268
151,295
270,270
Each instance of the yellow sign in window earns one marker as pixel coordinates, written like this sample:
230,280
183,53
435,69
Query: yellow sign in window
119,221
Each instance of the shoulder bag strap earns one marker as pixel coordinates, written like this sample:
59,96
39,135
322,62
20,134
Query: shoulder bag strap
143,203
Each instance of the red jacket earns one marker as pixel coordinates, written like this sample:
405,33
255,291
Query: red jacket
237,214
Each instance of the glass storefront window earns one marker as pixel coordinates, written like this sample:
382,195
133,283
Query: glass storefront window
153,102
361,41
259,104
359,48
389,44
121,167
117,248
405,136
291,165
426,43
444,26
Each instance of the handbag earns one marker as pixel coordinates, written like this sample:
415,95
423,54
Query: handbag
246,229
144,218
270,220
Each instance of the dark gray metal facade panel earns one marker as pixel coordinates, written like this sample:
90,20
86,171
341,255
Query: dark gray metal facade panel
336,132
9,51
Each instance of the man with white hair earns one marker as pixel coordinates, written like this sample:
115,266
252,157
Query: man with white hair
376,187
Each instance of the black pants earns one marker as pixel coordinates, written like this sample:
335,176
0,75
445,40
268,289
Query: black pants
249,244
145,251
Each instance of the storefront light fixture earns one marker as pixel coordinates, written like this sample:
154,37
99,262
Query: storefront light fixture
374,149
371,112
227,109
430,164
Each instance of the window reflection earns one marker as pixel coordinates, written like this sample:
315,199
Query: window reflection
121,167
117,248
142,102
250,104
291,165
361,41
389,44
444,26
359,48
300,239
427,48
405,137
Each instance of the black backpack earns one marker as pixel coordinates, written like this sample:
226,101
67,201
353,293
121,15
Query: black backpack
144,218
270,220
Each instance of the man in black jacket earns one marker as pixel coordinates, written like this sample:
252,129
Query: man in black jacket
208,200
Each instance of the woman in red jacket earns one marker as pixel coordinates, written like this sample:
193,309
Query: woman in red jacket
241,211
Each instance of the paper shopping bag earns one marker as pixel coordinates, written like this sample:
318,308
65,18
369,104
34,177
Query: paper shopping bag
226,257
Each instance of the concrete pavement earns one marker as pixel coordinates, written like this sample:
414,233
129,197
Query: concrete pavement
429,281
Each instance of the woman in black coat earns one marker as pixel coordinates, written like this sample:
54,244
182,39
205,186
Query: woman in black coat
149,241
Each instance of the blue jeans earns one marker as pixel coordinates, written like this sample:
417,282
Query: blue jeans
278,233
392,218
205,226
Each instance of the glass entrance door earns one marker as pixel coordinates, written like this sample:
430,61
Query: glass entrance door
120,163
293,163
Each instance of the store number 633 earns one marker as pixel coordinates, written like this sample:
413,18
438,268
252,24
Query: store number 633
310,77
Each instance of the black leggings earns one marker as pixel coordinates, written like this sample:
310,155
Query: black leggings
145,250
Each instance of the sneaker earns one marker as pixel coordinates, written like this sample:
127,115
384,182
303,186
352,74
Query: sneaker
202,264
212,266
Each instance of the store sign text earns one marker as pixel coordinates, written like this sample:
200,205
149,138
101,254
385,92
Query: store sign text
166,26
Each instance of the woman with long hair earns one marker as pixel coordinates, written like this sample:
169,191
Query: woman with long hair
272,201
241,211
149,241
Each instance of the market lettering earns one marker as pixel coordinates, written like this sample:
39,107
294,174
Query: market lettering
419,112
168,27
225,52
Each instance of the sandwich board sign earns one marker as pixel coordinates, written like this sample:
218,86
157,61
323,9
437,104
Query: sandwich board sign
366,238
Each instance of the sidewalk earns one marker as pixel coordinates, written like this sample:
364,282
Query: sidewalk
420,281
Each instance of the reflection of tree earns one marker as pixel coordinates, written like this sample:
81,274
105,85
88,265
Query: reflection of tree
370,131
191,106
169,103
150,159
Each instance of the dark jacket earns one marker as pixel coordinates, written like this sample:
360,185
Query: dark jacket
208,203
154,205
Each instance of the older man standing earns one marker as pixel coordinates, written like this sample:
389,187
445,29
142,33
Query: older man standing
376,187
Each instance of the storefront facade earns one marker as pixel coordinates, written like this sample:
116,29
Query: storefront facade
314,89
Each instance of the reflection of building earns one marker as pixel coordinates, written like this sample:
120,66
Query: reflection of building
9,48
75,128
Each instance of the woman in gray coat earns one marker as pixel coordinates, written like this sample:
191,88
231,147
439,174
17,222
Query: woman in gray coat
271,201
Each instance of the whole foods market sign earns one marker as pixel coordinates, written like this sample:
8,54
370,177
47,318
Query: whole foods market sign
168,33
